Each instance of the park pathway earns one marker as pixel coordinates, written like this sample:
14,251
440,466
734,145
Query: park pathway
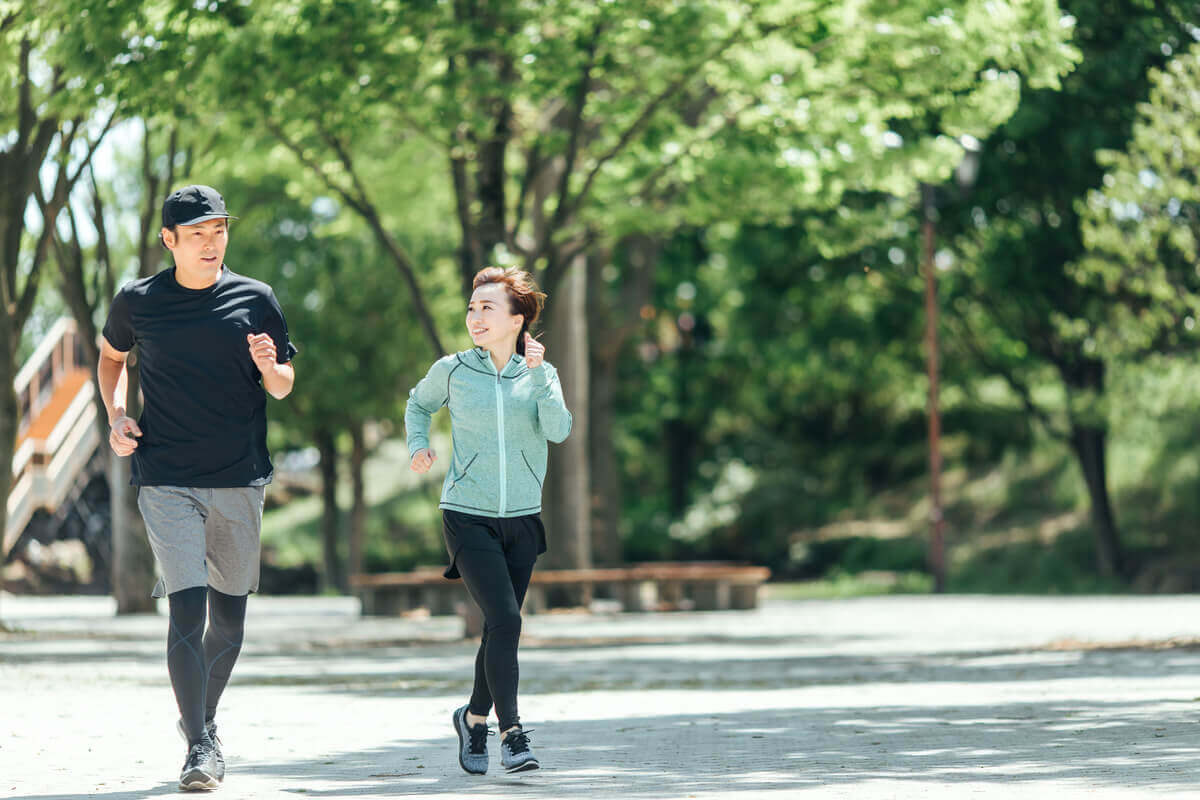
891,697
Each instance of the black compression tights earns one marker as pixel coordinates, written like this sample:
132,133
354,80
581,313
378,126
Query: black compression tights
200,662
499,590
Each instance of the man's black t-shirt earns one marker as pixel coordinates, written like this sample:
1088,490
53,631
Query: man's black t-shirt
204,423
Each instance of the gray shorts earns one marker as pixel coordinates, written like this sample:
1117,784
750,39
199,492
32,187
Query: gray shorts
204,537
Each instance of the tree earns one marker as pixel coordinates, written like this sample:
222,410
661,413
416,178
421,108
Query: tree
614,318
358,352
71,69
565,127
87,281
817,364
1015,308
47,99
1142,227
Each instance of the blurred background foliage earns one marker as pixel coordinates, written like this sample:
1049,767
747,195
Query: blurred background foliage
735,188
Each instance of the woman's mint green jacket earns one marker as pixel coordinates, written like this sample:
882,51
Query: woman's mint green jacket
499,422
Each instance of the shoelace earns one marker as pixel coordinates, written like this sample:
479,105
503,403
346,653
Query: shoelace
478,735
209,727
518,741
199,752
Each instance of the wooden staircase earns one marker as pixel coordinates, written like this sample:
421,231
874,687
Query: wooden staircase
57,436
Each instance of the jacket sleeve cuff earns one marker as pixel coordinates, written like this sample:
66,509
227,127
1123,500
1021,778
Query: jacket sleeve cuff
540,375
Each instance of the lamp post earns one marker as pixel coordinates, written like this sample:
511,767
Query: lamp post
937,545
965,174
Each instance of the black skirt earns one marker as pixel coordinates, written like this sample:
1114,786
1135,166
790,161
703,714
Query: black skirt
519,539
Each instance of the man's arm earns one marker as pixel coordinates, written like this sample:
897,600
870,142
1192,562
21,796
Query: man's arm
279,379
114,387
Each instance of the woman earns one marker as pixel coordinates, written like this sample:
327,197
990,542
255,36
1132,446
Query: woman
505,402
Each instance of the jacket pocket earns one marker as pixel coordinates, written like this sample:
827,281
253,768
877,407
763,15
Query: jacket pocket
463,474
532,471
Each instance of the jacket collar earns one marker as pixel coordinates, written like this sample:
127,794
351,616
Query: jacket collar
516,362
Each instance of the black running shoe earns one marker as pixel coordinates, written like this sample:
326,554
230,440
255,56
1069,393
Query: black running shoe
515,755
202,770
472,744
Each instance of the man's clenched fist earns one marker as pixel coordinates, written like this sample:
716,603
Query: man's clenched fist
262,350
122,436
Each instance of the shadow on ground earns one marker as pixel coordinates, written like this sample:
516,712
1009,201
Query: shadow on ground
648,664
1096,744
1146,741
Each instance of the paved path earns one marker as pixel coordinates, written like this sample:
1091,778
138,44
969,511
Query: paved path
912,697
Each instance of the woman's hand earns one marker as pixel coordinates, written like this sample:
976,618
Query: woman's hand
422,460
535,353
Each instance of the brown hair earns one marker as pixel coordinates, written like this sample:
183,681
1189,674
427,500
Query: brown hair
524,297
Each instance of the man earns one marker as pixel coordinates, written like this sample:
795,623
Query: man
209,342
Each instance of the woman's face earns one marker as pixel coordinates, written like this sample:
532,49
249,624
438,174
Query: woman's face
489,319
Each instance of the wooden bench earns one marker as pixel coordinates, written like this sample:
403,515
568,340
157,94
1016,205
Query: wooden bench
698,586
394,593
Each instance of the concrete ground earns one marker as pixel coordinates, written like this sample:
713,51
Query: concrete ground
894,697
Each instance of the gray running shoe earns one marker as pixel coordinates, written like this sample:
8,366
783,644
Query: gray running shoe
210,728
200,771
515,755
472,744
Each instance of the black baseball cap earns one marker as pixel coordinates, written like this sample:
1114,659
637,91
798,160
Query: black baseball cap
192,205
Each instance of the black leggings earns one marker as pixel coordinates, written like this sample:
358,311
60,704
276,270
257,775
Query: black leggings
499,589
201,661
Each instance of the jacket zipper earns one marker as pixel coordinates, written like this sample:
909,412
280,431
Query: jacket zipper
500,437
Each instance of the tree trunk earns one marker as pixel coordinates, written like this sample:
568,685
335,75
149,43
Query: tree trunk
332,575
1088,433
680,441
567,499
614,315
605,502
8,426
74,292
358,511
132,571
1088,442
133,568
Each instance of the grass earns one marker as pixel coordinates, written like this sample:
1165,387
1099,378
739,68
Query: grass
841,584
1023,524
1018,526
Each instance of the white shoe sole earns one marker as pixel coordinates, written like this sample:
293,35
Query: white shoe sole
198,783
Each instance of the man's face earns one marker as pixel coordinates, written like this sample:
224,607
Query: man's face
199,247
